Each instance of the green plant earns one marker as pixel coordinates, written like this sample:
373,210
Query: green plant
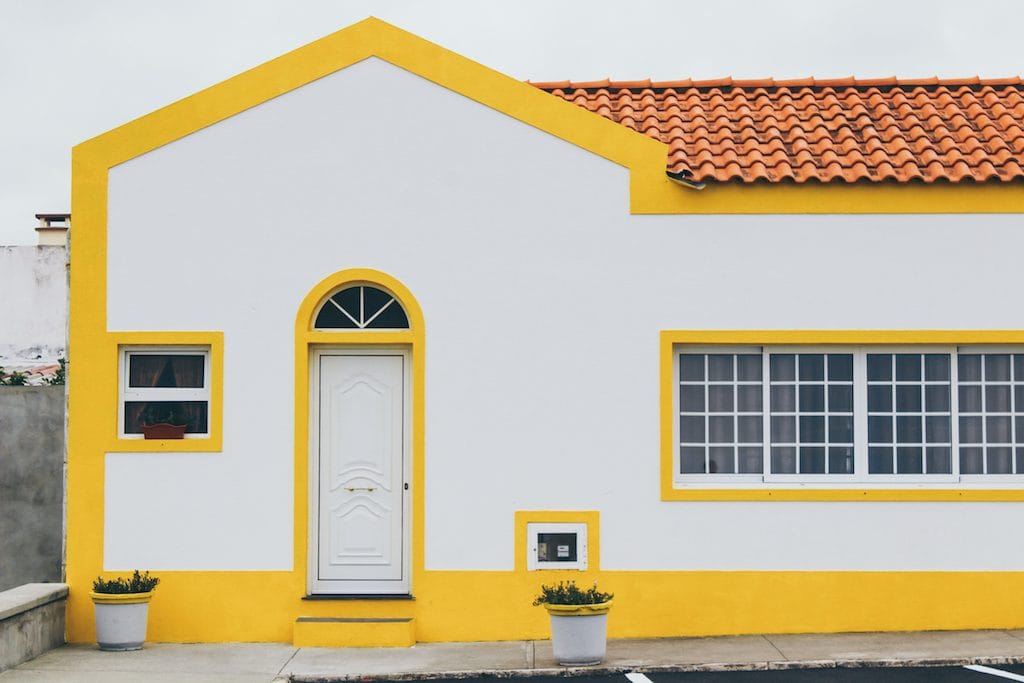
60,376
158,413
137,583
569,593
15,379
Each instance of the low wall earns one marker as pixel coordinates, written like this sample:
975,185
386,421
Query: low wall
31,621
31,484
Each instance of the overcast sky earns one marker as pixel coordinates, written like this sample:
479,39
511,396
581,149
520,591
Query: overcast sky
71,69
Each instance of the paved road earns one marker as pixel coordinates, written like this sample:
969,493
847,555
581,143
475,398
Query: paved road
974,674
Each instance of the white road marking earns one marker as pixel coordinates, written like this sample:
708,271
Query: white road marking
995,672
635,677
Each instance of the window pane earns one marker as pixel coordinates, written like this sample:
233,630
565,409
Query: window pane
997,398
691,367
783,429
720,399
691,460
840,460
840,429
908,460
969,367
1018,367
812,460
999,460
936,367
748,398
1020,460
970,461
879,367
193,414
880,460
720,429
784,460
908,367
840,367
840,398
908,429
937,460
720,367
748,367
783,399
908,399
970,430
997,367
880,429
782,367
812,367
812,398
937,429
751,460
691,398
936,399
165,370
749,429
970,399
879,399
997,429
812,429
721,460
691,429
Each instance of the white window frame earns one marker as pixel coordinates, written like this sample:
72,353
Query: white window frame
129,394
533,531
860,479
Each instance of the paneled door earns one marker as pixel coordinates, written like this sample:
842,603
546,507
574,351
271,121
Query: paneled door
360,531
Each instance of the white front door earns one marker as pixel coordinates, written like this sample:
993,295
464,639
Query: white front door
359,535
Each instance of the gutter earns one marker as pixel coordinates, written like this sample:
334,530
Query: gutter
684,178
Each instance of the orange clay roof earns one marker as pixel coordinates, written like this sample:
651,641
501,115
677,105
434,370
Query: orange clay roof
844,130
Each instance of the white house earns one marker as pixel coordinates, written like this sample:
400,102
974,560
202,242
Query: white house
439,336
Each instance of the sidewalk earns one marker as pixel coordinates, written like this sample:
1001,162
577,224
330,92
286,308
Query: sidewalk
267,662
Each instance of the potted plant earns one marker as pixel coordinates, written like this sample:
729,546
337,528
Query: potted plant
160,422
122,608
579,622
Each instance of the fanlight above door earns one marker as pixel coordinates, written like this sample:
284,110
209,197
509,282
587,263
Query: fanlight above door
362,307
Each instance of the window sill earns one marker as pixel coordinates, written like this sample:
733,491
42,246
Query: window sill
817,493
195,445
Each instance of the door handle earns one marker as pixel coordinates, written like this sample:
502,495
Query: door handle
360,488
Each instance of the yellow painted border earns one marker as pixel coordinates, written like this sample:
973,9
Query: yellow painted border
671,338
305,338
214,442
592,518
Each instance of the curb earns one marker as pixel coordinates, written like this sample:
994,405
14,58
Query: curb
711,667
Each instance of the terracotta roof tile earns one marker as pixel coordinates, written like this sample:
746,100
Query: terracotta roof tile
838,129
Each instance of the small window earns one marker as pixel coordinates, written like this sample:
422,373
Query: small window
165,385
556,546
360,308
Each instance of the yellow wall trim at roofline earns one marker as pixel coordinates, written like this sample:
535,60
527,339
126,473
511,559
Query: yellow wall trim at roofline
651,192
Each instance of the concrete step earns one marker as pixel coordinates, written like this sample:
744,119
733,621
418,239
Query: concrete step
354,632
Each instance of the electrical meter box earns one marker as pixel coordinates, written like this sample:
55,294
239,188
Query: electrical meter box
556,546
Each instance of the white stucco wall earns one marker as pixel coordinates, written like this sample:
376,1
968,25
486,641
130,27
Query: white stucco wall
33,304
543,301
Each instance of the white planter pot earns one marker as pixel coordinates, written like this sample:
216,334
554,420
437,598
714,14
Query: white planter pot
579,633
121,620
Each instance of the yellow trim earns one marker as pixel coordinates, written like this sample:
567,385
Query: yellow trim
579,610
305,338
349,633
671,338
120,598
210,444
592,518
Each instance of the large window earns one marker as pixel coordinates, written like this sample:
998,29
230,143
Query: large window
169,384
847,415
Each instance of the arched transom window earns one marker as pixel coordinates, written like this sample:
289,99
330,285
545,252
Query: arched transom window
362,307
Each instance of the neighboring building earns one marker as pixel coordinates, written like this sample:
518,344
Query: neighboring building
438,333
33,322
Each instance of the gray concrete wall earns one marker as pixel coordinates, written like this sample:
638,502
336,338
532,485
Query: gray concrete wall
31,484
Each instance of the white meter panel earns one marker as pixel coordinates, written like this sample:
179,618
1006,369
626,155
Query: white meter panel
556,546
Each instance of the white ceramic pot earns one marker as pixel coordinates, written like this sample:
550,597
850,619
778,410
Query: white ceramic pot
121,619
579,633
